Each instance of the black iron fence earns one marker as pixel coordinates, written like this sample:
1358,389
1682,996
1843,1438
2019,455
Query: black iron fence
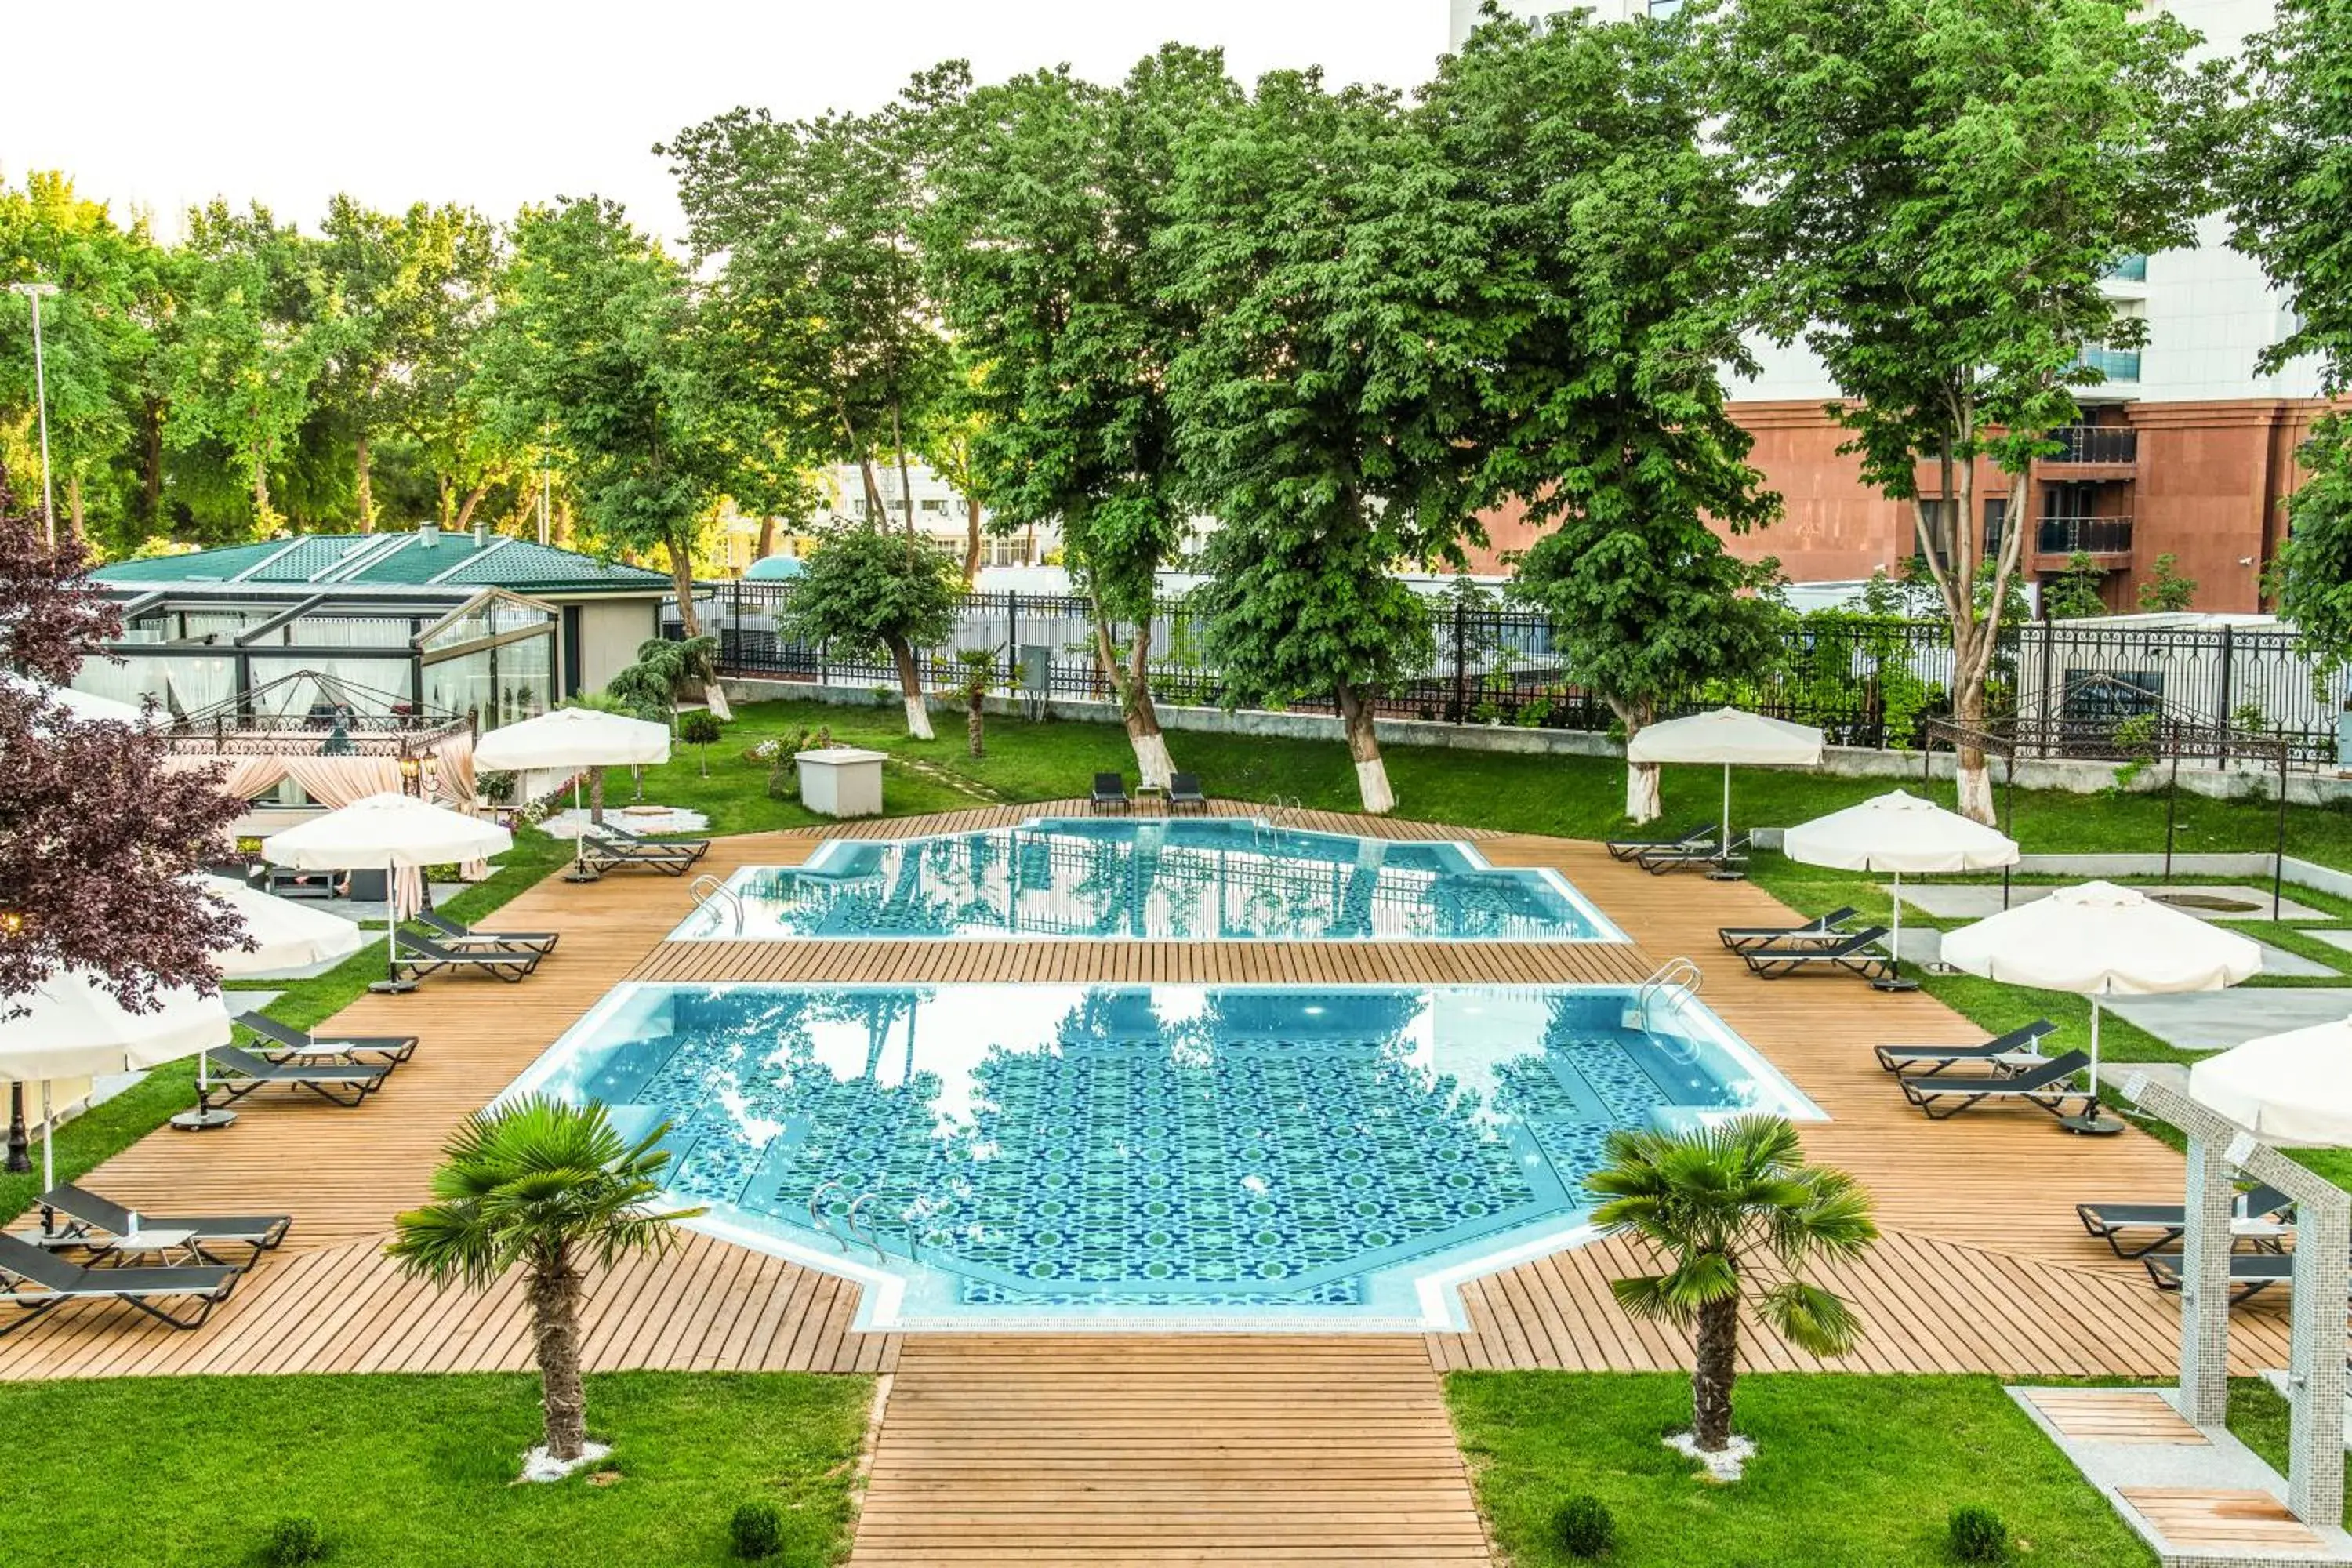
1867,681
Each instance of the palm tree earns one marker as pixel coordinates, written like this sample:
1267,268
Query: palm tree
554,1188
1715,1201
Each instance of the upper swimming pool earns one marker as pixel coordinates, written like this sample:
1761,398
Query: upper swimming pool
1137,1157
1202,878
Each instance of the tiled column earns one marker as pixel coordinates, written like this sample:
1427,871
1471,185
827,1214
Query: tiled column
2205,1285
2323,1238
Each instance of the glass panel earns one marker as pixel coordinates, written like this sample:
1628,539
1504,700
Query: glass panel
376,685
181,683
343,631
526,679
460,684
489,619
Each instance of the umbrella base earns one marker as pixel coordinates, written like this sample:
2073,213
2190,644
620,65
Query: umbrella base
200,1120
392,987
582,876
2093,1126
1895,985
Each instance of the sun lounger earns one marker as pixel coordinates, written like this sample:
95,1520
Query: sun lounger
1725,862
1110,793
1627,848
36,1281
2251,1273
2044,1088
608,849
451,934
284,1042
2110,1223
1184,793
1829,928
421,955
1856,953
345,1083
97,1223
2016,1048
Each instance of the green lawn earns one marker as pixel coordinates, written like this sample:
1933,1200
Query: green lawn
417,1472
1850,1471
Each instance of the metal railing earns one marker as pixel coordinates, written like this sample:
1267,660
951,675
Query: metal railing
2084,535
2095,444
708,887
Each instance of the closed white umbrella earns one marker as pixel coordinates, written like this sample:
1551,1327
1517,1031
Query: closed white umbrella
573,738
2291,1089
1727,736
391,831
1899,832
286,936
2099,940
73,1028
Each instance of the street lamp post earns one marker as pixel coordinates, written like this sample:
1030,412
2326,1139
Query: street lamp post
36,292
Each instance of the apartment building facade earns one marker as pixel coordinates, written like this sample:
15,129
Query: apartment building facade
2185,449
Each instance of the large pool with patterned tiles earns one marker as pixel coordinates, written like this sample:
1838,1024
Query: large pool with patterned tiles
1184,879
1167,1156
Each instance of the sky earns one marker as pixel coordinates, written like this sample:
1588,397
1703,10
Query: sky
495,103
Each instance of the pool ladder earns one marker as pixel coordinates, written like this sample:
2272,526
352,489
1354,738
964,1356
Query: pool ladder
706,888
818,1221
1680,975
1268,828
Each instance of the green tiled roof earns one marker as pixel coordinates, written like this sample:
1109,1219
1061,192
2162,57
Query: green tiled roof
395,560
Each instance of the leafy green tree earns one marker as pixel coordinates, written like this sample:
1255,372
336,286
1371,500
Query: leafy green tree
556,1189
1619,265
258,323
2290,189
866,591
1942,187
2166,588
2076,595
1716,1203
1047,192
1322,401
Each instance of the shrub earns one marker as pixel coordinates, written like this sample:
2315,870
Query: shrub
1979,1535
295,1539
1584,1527
698,727
757,1531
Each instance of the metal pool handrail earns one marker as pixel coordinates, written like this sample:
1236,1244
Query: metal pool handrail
708,887
1678,974
816,1212
861,1232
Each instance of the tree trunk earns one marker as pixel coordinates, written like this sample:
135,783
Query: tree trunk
767,536
971,543
473,499
876,514
1642,797
150,467
1130,683
910,683
597,796
906,479
681,577
363,467
1714,1369
975,722
74,520
555,1296
1371,774
261,514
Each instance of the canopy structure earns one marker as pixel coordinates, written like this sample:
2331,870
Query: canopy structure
1899,832
573,739
286,936
74,1029
1731,737
397,832
2293,1088
2099,940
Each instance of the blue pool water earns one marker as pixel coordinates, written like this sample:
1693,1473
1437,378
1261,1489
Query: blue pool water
1061,1156
1188,879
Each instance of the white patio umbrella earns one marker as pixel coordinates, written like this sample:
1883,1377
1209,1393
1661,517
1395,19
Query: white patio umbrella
2293,1089
2099,940
286,934
1899,832
85,705
74,1029
573,738
391,831
1727,736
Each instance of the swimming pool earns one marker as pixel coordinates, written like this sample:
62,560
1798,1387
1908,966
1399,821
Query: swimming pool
1056,1157
1225,879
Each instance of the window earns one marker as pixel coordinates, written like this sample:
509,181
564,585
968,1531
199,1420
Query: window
1996,518
1937,515
935,505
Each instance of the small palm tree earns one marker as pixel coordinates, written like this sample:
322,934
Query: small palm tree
554,1188
1715,1201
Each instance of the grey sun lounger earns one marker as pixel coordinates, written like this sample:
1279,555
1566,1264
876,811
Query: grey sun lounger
282,1041
421,955
36,1281
1628,849
1686,857
345,1083
2007,1052
2044,1088
93,1222
1110,793
2251,1273
608,849
2110,1223
1856,953
1829,928
1184,793
449,933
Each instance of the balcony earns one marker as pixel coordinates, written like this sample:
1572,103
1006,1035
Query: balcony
2084,536
2115,365
2095,444
2128,270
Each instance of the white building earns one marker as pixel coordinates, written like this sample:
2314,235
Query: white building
942,513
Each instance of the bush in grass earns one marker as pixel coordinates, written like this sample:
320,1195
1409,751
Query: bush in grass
1584,1527
294,1539
757,1531
1979,1535
699,728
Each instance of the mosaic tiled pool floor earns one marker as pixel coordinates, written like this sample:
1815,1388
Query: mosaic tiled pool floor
1058,1156
1189,877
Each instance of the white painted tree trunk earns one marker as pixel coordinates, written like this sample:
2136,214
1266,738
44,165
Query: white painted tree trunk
716,699
1975,789
1151,759
1372,783
918,718
1642,792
